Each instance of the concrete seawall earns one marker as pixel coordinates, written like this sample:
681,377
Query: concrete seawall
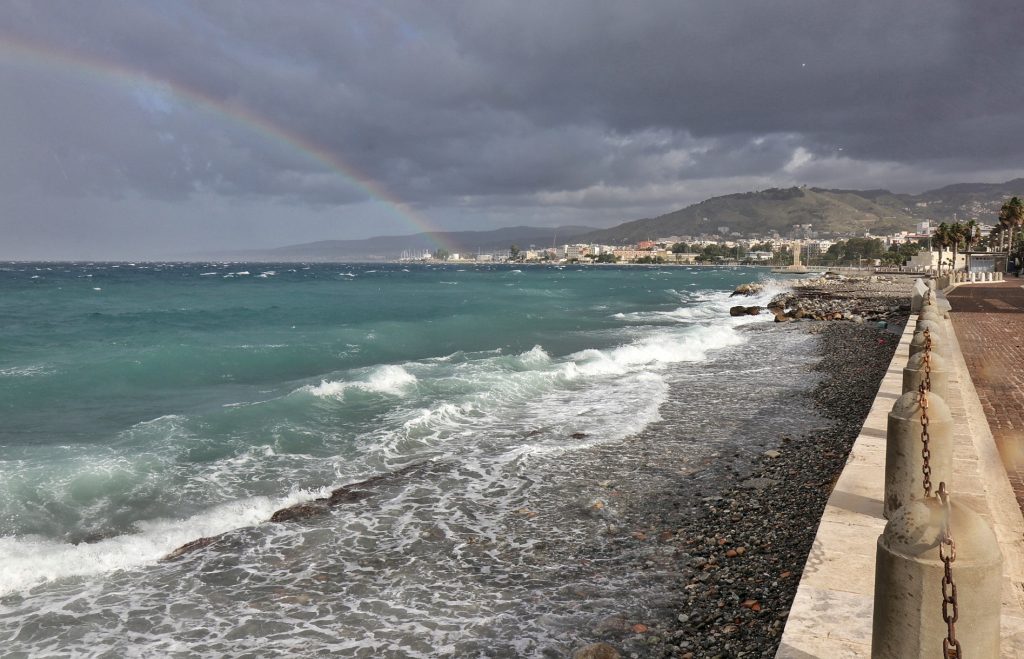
831,613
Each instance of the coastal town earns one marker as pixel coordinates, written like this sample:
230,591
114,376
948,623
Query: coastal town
971,245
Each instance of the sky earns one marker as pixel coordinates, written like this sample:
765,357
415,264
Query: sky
154,129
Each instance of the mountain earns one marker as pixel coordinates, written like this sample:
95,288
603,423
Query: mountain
775,209
392,247
829,211
836,211
979,201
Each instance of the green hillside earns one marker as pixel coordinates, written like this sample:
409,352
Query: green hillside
765,211
841,212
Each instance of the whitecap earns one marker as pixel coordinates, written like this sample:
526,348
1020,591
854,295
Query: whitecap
390,379
31,560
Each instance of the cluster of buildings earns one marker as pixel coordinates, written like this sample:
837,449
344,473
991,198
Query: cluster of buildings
727,246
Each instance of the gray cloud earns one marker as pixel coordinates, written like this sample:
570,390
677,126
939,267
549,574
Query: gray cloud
482,114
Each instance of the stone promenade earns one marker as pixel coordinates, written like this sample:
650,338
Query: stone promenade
989,323
831,614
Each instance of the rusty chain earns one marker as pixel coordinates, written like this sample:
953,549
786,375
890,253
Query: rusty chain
947,554
947,548
927,359
922,400
951,648
926,454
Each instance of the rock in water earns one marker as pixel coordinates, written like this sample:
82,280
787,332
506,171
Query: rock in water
189,547
744,311
596,651
753,288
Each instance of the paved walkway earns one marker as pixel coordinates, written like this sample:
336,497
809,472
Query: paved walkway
989,323
831,614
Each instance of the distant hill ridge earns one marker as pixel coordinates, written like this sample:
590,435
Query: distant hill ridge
836,211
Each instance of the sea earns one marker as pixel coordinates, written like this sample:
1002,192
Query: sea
486,414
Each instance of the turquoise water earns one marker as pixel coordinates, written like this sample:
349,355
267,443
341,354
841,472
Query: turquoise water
146,405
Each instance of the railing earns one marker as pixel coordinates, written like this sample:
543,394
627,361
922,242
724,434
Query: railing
932,543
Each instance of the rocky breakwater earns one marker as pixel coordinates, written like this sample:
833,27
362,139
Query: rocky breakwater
880,300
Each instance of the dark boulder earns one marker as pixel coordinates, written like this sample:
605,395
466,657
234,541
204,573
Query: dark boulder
299,511
188,547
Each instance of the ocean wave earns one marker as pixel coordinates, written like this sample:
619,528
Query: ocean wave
390,379
665,348
535,357
32,560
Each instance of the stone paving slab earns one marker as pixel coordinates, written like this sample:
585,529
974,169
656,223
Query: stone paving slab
989,322
831,613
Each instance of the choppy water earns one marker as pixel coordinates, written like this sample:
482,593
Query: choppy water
146,405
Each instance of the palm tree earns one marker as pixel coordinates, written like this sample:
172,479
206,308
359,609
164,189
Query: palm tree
957,232
942,237
972,235
995,237
1011,215
1014,217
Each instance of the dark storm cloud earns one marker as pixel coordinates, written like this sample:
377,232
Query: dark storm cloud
492,107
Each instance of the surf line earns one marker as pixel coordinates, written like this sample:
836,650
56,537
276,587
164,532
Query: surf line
92,66
351,493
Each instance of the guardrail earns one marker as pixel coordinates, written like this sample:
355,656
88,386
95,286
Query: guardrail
938,567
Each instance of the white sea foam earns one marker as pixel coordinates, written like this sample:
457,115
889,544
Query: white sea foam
662,348
389,379
31,560
534,357
25,371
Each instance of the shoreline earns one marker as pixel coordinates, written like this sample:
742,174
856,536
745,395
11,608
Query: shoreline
656,543
738,555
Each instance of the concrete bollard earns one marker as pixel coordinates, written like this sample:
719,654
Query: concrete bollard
904,480
913,374
907,621
937,304
939,344
938,330
920,290
930,312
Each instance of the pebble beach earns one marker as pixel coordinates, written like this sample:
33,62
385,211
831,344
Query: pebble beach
731,558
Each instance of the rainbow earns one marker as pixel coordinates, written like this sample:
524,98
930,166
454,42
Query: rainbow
273,132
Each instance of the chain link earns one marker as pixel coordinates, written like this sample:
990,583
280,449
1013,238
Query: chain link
927,362
947,554
922,401
947,548
926,454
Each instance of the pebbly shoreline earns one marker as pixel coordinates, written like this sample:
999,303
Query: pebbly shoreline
738,552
